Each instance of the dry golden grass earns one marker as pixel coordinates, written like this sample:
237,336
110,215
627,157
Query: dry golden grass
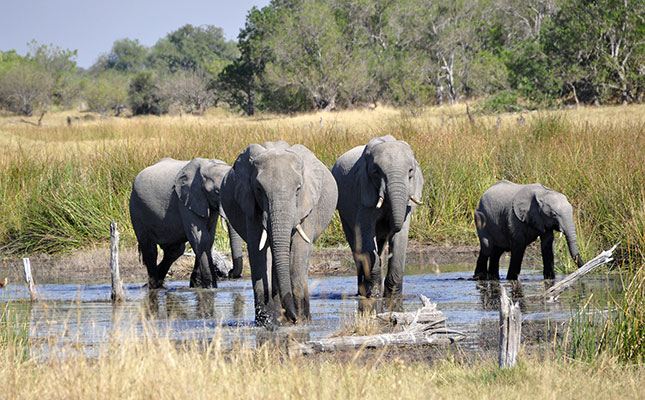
157,368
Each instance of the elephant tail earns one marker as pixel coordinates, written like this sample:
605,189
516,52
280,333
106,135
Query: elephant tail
480,220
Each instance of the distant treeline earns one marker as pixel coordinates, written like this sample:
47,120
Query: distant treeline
298,55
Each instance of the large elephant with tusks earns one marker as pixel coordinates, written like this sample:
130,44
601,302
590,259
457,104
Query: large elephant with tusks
379,186
279,198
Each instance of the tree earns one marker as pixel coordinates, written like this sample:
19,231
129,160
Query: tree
60,65
189,91
127,56
26,87
309,51
107,92
190,48
144,95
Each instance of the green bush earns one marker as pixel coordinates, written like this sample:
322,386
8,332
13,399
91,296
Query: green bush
504,101
144,95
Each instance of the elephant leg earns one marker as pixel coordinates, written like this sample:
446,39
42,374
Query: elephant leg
517,254
493,267
369,268
170,254
396,265
260,261
236,253
352,234
201,240
149,254
546,243
299,263
482,260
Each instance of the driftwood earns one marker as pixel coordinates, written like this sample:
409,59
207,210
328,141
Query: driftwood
29,279
223,265
603,258
117,286
424,326
510,330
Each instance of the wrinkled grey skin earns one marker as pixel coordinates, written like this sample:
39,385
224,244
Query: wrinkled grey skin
385,168
176,201
510,216
274,187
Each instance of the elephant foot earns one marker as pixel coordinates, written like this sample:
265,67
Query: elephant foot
156,284
480,276
394,303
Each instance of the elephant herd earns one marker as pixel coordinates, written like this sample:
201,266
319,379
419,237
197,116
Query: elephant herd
279,198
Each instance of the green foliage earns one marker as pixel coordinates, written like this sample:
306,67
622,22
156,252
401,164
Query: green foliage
617,332
26,86
107,92
126,56
144,95
500,102
59,63
530,72
190,48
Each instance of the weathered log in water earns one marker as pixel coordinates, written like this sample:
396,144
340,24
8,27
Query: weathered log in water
603,258
222,265
510,330
117,286
29,279
422,327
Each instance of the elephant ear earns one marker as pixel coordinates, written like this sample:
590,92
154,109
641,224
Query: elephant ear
243,169
189,188
312,173
526,206
368,192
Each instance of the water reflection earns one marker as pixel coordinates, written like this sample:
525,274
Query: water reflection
84,314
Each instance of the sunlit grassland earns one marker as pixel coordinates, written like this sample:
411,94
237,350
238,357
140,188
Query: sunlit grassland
60,185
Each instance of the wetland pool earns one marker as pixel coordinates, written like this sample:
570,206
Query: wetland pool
83,314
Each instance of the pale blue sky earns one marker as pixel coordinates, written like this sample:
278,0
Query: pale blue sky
91,26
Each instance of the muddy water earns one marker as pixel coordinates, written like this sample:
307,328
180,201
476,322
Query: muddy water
84,314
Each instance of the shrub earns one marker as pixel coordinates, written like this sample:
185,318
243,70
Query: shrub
144,95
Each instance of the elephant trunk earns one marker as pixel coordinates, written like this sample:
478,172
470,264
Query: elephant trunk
281,228
569,230
398,196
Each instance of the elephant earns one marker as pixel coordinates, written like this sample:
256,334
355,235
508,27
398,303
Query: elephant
509,217
175,201
379,186
279,198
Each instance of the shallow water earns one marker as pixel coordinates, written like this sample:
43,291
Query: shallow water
83,314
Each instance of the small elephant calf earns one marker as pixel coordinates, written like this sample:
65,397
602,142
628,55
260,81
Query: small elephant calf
509,217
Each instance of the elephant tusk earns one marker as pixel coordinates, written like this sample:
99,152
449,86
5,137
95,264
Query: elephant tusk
223,223
560,235
303,234
380,202
416,201
263,239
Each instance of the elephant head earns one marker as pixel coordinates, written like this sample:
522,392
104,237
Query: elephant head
389,174
545,209
198,185
276,186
